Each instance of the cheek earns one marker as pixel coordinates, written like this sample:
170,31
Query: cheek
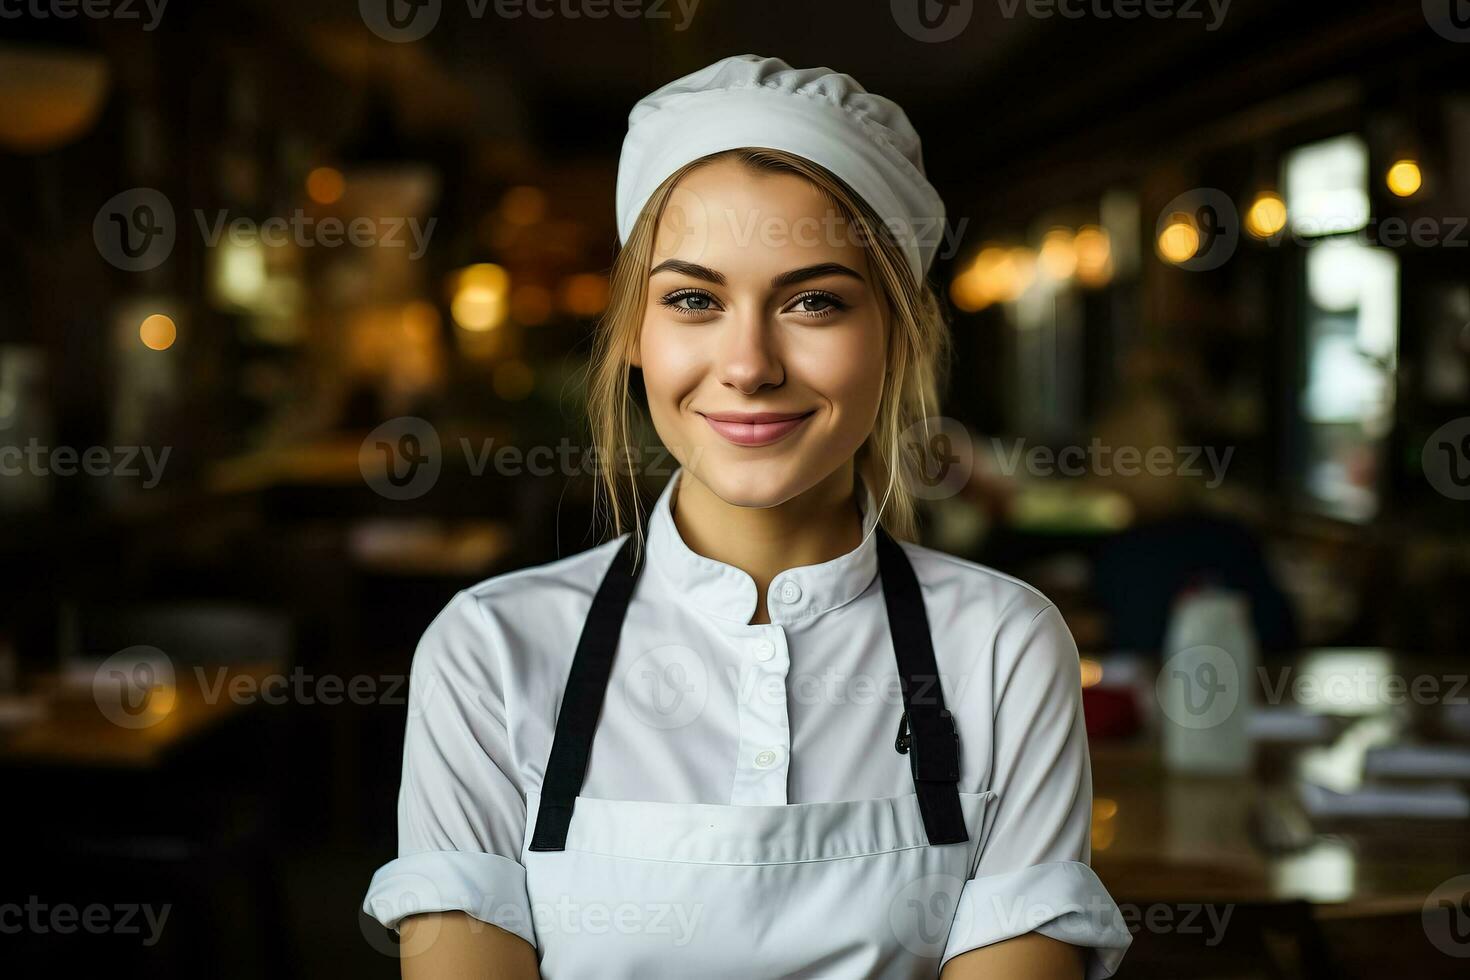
671,360
846,365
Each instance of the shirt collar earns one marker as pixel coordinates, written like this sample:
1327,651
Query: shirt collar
727,592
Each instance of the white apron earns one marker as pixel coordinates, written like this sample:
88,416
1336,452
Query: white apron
854,889
848,889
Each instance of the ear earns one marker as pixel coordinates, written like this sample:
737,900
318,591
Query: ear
636,358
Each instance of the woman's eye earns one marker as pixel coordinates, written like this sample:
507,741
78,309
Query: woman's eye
818,304
689,302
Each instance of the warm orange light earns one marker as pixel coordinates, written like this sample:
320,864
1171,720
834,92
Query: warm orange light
1018,272
997,275
1058,255
970,290
1266,216
523,205
1104,830
49,97
480,296
326,185
1092,672
1404,178
1179,241
158,332
584,294
420,322
530,304
1094,255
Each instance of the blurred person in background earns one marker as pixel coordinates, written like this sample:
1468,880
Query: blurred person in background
1175,541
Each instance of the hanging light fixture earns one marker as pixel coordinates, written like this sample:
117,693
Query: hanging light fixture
49,96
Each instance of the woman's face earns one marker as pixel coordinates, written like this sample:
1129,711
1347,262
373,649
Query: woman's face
763,340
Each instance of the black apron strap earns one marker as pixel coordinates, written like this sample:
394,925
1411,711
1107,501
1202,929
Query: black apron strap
581,703
933,742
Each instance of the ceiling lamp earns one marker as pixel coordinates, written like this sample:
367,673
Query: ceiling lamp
49,96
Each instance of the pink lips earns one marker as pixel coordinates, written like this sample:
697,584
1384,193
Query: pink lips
755,428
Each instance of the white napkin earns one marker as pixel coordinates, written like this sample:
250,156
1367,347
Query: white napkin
1443,801
1419,761
1288,723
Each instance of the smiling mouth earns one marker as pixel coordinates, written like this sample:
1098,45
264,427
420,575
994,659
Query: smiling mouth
755,428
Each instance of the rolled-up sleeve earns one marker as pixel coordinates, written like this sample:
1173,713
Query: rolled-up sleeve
461,814
1032,873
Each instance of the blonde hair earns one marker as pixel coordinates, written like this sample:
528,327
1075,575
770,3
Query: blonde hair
918,352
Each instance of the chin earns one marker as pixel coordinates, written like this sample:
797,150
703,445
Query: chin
742,479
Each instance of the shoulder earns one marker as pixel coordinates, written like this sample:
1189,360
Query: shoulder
950,582
551,583
986,620
516,614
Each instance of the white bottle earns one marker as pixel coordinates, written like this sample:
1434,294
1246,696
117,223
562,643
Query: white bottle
1206,686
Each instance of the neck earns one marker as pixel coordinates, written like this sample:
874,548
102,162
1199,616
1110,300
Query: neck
820,524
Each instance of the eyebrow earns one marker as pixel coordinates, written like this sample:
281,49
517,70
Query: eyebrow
705,273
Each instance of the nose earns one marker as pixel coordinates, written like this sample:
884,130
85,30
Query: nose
748,357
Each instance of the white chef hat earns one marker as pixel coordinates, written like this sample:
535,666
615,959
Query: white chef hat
816,113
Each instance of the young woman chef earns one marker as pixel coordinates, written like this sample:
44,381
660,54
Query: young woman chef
765,735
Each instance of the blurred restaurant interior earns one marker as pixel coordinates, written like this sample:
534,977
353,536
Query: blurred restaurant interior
1232,241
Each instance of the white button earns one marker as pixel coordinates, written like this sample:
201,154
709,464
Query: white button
763,649
790,591
765,758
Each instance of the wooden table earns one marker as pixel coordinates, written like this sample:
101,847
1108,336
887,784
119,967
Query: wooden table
1166,836
1159,836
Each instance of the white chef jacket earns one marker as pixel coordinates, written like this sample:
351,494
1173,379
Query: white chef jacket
703,707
